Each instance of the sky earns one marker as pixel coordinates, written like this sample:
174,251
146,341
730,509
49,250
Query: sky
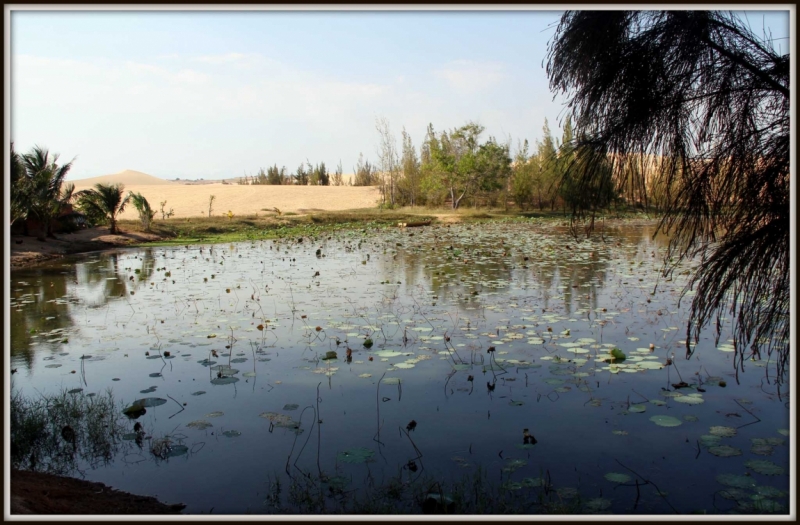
179,94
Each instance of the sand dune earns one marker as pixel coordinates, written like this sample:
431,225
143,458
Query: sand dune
192,200
126,177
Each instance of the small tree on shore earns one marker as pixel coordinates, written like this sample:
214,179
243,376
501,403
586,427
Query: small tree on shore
104,202
146,214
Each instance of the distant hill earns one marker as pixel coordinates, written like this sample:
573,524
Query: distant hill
126,177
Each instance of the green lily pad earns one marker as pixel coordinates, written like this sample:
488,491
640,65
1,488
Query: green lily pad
597,504
514,464
725,451
722,431
355,455
617,477
690,418
762,450
637,409
231,433
690,399
279,420
734,480
200,424
762,466
391,380
666,421
658,402
770,492
291,406
532,482
710,440
734,494
329,355
215,414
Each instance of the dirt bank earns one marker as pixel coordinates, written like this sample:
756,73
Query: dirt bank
28,250
37,493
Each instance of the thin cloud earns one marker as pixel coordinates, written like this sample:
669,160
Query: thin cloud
469,77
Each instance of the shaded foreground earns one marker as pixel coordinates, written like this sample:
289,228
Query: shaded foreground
39,493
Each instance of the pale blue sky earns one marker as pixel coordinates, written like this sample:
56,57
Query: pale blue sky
218,94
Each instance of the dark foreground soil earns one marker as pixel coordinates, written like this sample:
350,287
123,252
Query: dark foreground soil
26,251
37,493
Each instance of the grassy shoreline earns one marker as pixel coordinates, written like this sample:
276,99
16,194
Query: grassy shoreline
222,229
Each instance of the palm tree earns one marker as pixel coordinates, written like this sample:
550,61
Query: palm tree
19,189
104,201
146,213
43,183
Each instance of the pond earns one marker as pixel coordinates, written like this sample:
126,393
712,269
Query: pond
379,358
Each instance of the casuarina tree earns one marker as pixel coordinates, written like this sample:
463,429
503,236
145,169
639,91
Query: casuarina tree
706,99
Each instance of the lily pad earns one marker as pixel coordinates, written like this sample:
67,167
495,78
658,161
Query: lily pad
762,466
231,433
722,431
710,440
734,480
597,504
200,424
725,451
666,421
637,409
279,420
617,477
291,406
215,414
514,464
690,399
198,393
391,380
355,455
762,450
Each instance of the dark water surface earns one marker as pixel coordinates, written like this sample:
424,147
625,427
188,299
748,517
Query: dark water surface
433,300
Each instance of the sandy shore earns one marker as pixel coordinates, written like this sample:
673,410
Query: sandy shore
191,200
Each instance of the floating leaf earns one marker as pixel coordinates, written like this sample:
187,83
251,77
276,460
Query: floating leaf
722,431
710,440
765,467
762,450
291,406
725,451
690,399
391,380
666,421
637,409
200,424
514,464
355,455
617,477
597,504
733,480
75,391
198,393
215,414
231,433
